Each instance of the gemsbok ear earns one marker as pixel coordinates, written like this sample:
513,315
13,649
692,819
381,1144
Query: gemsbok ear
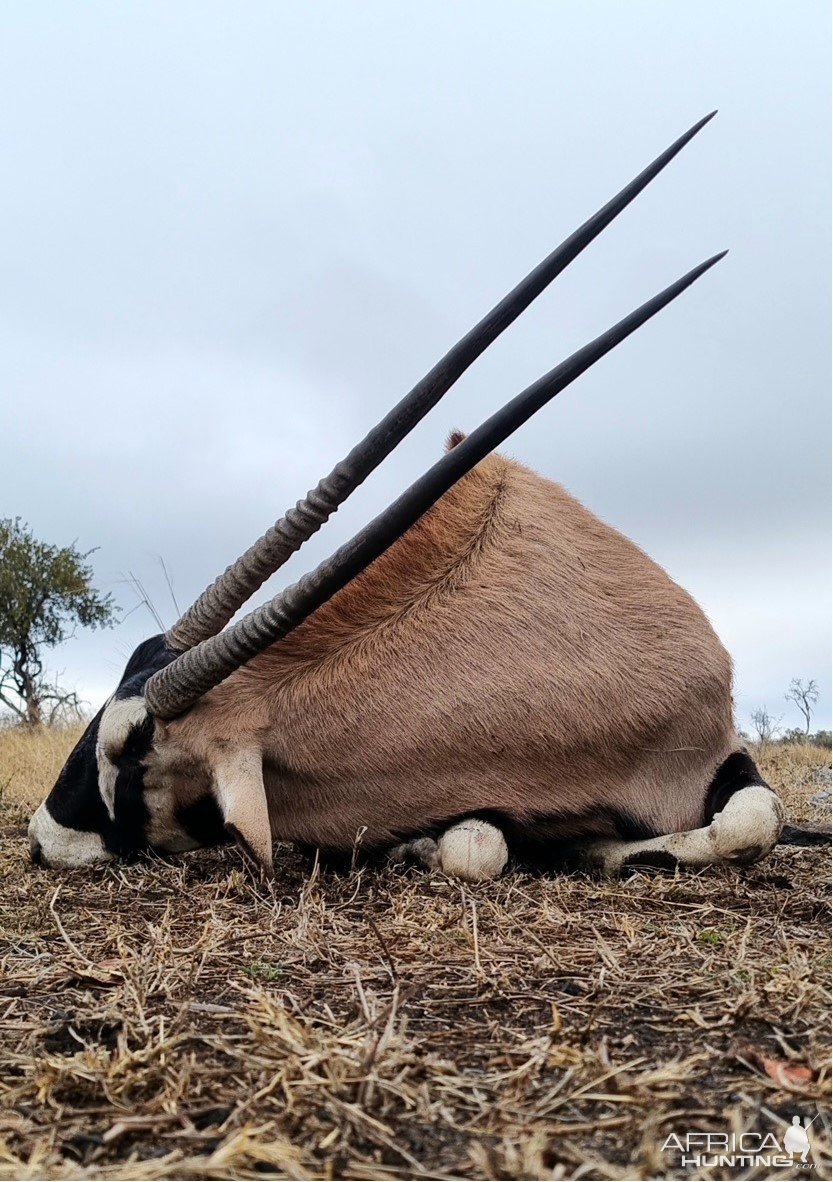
238,781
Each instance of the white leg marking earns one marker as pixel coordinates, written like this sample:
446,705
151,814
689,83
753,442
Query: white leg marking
745,831
238,779
473,850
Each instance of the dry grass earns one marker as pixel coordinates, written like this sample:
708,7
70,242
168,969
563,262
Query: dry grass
30,762
186,1021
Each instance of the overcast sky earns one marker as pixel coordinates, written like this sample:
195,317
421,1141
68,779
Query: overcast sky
234,234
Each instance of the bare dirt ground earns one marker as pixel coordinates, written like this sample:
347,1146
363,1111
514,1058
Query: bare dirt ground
186,1021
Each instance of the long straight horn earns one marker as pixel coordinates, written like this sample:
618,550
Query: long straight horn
227,594
173,689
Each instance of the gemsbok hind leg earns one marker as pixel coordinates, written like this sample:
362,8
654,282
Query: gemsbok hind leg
745,830
472,850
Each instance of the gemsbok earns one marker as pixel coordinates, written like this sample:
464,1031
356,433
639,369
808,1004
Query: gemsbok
484,670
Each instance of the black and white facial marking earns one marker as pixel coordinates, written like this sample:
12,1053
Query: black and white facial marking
110,799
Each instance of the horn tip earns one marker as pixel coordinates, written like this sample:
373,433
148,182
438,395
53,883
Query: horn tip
708,264
701,123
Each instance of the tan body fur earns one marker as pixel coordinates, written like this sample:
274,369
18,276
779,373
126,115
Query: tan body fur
511,652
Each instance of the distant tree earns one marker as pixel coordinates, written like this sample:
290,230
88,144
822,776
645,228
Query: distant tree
46,592
804,697
822,739
764,725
